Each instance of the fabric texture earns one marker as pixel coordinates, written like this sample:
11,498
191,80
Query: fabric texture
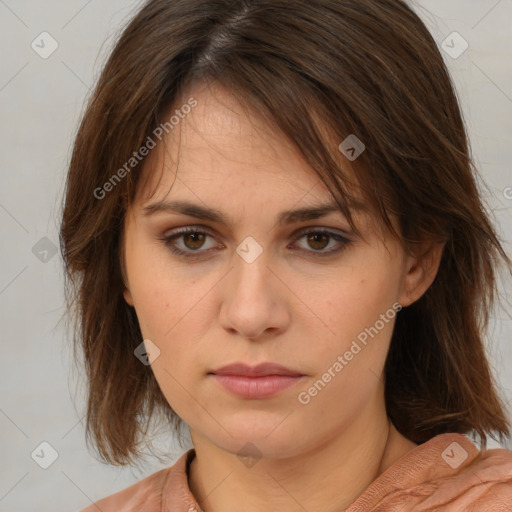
445,474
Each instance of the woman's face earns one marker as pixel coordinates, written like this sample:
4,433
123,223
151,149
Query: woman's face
259,287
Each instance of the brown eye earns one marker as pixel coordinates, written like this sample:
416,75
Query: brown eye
194,240
191,242
318,241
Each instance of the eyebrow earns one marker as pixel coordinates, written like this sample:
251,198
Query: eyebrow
284,218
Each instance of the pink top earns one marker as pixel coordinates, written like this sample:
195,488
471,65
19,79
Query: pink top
446,473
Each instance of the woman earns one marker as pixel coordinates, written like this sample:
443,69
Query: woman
273,235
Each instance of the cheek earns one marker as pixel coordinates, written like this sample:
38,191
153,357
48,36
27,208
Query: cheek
163,294
360,313
168,308
358,301
349,367
174,311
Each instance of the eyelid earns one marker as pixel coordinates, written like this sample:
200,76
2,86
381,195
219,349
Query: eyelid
294,236
320,229
177,232
192,228
334,233
189,228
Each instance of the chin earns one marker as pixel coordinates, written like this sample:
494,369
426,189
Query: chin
261,434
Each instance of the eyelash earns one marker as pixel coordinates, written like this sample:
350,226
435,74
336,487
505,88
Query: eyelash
169,242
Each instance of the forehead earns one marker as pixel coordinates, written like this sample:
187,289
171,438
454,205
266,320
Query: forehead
222,150
222,145
227,158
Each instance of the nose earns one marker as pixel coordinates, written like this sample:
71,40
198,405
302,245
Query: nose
255,303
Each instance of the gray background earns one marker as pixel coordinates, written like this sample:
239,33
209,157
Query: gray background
41,101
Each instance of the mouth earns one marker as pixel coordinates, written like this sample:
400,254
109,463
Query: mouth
256,382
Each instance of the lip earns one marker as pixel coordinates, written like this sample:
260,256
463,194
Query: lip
260,370
256,382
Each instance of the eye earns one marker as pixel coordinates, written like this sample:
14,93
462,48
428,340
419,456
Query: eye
318,240
192,240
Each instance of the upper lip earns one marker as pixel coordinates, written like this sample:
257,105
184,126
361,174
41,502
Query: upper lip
259,370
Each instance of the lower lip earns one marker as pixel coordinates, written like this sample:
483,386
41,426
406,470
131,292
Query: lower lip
256,387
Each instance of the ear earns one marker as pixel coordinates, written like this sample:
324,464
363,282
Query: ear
420,272
122,263
128,296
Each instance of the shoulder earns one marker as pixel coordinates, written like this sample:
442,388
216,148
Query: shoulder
446,473
485,483
482,483
150,493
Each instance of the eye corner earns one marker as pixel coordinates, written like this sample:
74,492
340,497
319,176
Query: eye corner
343,241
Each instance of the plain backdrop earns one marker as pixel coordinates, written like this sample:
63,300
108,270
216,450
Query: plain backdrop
41,100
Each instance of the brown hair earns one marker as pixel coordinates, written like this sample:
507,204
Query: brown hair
319,70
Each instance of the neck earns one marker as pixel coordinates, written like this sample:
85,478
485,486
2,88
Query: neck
342,468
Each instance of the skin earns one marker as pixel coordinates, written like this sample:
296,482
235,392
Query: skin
287,307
